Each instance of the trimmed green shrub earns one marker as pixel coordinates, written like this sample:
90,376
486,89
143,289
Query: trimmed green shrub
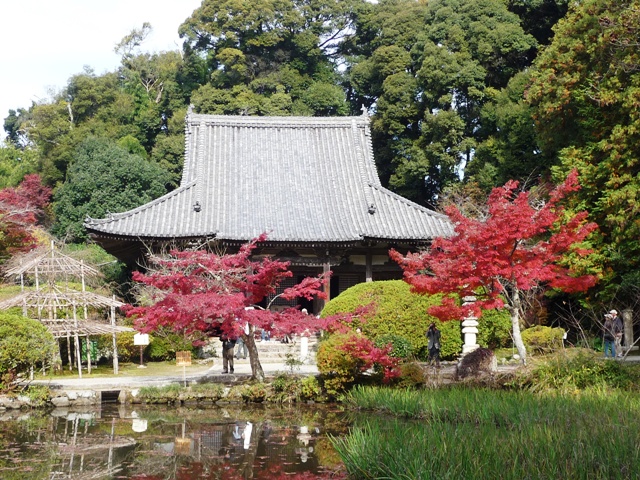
403,314
401,347
494,329
542,339
23,343
338,369
165,347
310,388
127,351
255,392
398,312
412,376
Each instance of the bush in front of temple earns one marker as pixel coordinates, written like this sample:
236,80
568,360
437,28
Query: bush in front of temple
396,312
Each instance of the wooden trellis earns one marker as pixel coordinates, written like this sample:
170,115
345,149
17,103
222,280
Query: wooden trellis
56,305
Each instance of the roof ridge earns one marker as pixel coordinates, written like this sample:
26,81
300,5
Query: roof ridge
281,121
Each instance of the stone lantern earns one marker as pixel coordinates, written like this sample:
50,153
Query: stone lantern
469,329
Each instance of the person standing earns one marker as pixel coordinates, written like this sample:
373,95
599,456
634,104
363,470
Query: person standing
618,328
608,336
433,344
242,346
228,345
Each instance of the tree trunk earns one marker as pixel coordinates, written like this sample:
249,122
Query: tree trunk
256,368
515,324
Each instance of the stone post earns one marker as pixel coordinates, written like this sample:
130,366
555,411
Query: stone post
469,329
304,348
627,319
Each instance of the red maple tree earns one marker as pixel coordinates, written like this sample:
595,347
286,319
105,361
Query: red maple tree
518,248
200,291
21,208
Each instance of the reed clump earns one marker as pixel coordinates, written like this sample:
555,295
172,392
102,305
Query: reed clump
568,418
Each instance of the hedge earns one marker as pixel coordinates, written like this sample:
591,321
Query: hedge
399,312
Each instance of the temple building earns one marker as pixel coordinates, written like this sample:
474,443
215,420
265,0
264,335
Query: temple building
310,183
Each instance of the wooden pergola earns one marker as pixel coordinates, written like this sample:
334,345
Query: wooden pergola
65,311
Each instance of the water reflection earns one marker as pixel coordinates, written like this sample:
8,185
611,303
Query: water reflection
235,442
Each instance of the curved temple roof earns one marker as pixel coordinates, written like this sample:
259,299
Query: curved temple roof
300,179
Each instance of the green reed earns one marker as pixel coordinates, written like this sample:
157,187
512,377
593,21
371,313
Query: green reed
466,433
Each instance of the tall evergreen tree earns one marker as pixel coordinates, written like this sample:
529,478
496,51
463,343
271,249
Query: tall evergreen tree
429,86
270,56
104,178
585,92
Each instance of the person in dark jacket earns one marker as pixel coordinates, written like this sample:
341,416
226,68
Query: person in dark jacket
433,344
609,336
618,329
228,345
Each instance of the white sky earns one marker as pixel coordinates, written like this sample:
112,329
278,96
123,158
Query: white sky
45,42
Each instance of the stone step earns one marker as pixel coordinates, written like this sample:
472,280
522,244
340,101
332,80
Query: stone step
274,351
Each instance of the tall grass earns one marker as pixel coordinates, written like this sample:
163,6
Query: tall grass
482,434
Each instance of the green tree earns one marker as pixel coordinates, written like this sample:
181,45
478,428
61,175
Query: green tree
12,124
152,80
24,343
103,178
430,85
270,56
538,17
584,92
511,150
15,163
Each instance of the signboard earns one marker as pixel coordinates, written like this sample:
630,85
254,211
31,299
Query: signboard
182,446
141,339
183,359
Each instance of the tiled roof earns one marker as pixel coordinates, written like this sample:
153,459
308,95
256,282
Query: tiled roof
301,179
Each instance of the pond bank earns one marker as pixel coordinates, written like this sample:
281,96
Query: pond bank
76,392
70,392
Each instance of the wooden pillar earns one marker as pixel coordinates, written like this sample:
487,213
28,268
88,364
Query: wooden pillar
627,318
76,337
369,267
69,352
88,355
115,343
326,271
24,302
84,290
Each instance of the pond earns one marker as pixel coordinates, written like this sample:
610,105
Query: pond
143,442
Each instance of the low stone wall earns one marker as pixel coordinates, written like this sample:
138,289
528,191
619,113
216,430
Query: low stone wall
14,403
70,398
